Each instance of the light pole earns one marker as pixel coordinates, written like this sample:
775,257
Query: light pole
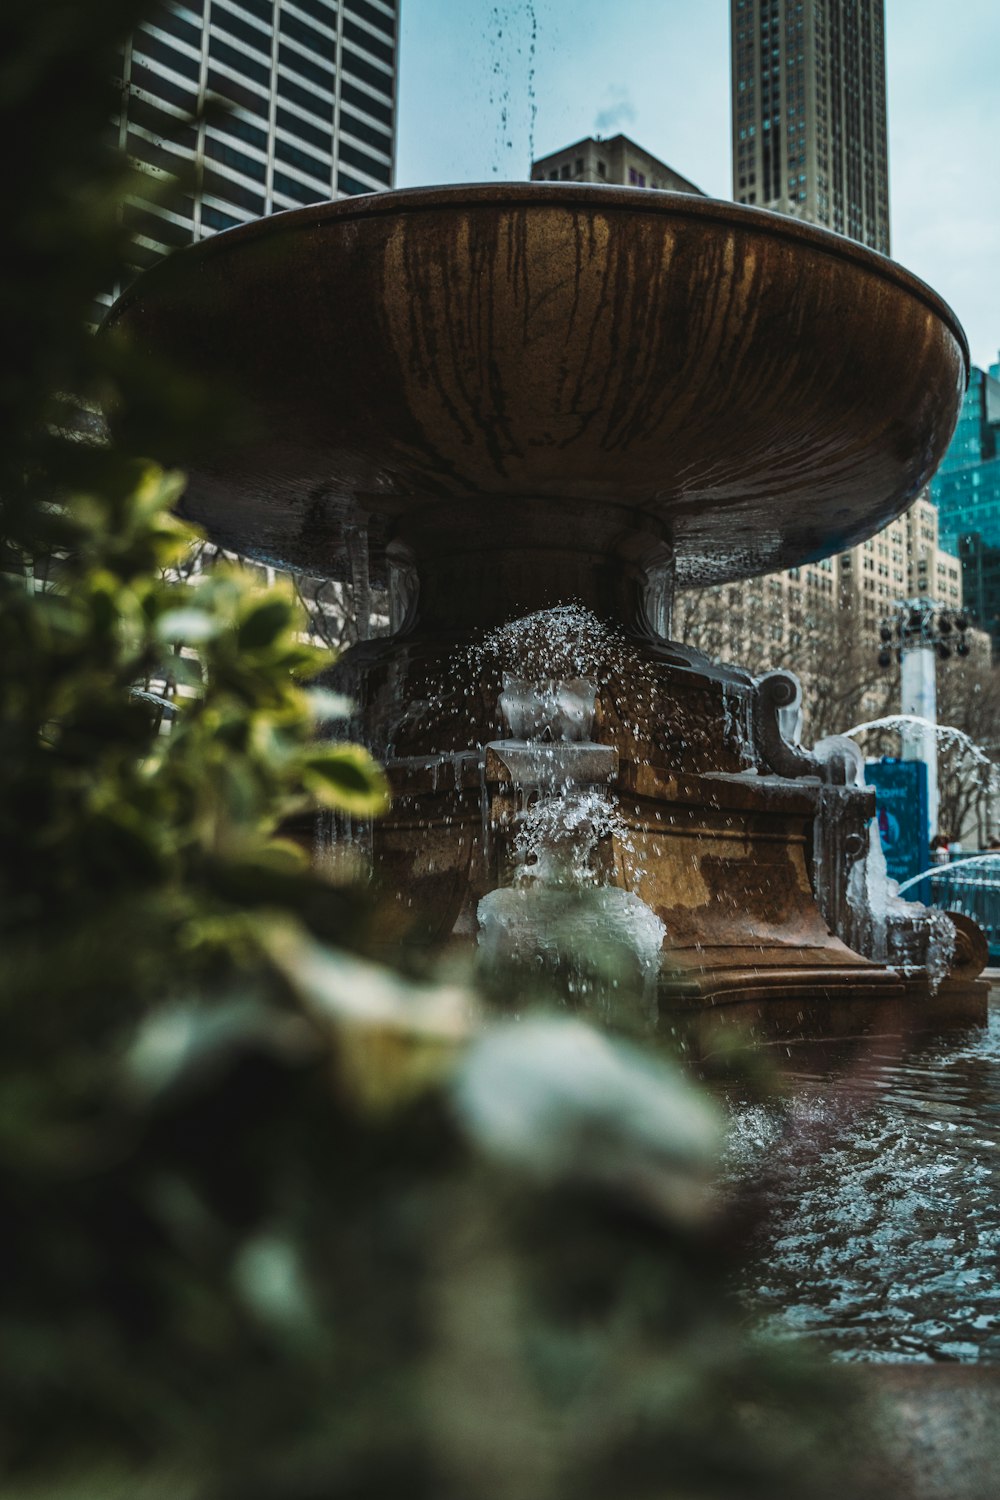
920,632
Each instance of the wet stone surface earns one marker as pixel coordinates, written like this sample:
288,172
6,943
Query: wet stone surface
879,1181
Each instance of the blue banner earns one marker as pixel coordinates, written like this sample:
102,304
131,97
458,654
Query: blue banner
901,802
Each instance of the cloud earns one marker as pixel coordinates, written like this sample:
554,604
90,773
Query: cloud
618,111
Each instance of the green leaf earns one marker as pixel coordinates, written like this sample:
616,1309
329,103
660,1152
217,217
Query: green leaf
326,705
346,777
263,625
188,626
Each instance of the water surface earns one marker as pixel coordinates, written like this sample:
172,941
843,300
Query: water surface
880,1180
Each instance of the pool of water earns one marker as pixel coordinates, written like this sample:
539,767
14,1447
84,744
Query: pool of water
878,1180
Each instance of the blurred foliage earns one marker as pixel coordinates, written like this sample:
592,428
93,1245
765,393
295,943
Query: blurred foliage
277,1222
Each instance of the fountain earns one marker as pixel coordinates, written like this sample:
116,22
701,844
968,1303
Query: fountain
550,405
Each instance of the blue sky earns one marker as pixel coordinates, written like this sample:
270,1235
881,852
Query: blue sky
486,84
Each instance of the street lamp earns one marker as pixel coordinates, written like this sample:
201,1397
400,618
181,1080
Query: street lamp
917,634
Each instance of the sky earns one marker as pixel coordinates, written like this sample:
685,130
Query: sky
486,85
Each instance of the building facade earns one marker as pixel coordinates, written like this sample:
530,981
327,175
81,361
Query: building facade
616,160
307,92
966,490
809,130
822,619
809,138
763,619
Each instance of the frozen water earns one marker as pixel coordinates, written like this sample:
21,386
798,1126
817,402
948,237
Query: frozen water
553,710
842,761
868,900
890,930
598,945
561,919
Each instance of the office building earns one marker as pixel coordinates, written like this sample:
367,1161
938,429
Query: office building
809,112
822,619
616,160
966,490
809,139
981,583
310,93
977,432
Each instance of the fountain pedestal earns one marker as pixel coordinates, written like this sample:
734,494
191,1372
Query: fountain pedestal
510,399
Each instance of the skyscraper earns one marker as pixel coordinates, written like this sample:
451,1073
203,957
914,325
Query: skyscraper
809,112
966,490
311,90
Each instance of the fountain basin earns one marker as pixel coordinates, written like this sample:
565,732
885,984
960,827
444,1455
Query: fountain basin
591,372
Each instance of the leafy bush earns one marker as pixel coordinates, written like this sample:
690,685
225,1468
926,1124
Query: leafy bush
278,1222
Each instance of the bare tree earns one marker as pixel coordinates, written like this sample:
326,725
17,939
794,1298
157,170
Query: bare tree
969,699
338,617
830,649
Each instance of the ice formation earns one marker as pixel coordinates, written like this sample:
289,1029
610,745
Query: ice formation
560,918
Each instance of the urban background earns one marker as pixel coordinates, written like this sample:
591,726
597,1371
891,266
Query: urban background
314,101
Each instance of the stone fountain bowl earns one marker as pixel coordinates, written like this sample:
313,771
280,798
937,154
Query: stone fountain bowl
736,388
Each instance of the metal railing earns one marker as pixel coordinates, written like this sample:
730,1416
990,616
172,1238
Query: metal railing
969,884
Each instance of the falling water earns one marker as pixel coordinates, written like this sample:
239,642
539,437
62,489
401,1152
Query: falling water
949,738
513,48
564,642
561,917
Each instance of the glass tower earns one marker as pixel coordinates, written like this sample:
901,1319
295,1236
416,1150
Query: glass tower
809,112
966,490
310,87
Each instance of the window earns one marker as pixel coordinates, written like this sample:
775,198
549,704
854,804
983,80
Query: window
161,88
361,100
238,160
321,76
366,12
251,35
356,158
239,62
302,97
290,187
154,227
348,184
301,159
367,72
232,192
171,57
370,44
167,21
367,133
164,126
243,130
311,39
262,9
228,88
319,138
216,219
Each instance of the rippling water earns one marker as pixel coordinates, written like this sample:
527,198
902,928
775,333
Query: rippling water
880,1181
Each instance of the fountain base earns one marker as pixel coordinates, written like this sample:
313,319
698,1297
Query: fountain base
724,861
753,853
